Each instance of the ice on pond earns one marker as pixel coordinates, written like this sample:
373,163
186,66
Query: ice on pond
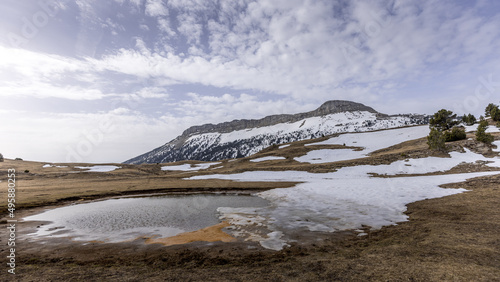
124,219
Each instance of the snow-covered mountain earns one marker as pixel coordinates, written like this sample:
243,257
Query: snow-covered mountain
241,138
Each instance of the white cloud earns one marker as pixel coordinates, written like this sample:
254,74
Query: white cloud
45,90
297,49
164,26
152,92
120,111
189,27
155,8
213,109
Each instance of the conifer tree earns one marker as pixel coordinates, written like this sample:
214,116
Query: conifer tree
443,120
481,134
436,140
469,119
487,111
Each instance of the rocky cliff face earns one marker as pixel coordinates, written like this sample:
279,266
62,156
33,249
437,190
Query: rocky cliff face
330,107
240,138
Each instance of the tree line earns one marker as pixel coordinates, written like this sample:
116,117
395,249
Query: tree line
446,127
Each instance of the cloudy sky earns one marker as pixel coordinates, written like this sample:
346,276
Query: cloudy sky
104,81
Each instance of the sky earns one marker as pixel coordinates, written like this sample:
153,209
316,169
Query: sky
104,81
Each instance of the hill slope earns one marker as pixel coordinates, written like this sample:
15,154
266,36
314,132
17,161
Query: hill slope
241,138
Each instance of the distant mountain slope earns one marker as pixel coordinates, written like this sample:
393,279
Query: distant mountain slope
241,138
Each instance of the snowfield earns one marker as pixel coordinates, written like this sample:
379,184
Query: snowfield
350,197
369,142
329,124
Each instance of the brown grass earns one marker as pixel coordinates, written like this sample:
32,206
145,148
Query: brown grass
453,238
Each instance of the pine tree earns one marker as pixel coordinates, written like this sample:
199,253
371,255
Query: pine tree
469,119
481,134
443,120
487,111
495,113
436,140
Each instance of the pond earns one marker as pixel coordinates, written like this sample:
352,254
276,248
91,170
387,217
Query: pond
123,219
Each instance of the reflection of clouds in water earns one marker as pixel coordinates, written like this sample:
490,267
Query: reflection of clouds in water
125,219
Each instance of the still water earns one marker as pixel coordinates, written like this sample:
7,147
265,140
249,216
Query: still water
124,219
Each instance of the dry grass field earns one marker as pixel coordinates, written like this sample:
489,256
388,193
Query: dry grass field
455,238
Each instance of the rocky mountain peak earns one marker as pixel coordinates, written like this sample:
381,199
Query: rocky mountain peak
329,107
340,106
241,138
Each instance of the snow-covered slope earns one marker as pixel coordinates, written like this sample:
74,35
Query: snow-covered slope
220,142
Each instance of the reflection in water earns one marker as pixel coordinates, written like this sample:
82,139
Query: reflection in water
125,219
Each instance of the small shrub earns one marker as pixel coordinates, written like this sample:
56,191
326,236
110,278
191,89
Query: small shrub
457,133
481,134
436,140
26,171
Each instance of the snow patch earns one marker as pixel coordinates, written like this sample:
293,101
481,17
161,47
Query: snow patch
373,141
270,158
496,143
188,167
50,165
432,164
283,146
490,129
328,155
369,141
99,168
274,241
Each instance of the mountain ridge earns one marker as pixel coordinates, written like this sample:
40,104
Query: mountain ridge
329,107
239,138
